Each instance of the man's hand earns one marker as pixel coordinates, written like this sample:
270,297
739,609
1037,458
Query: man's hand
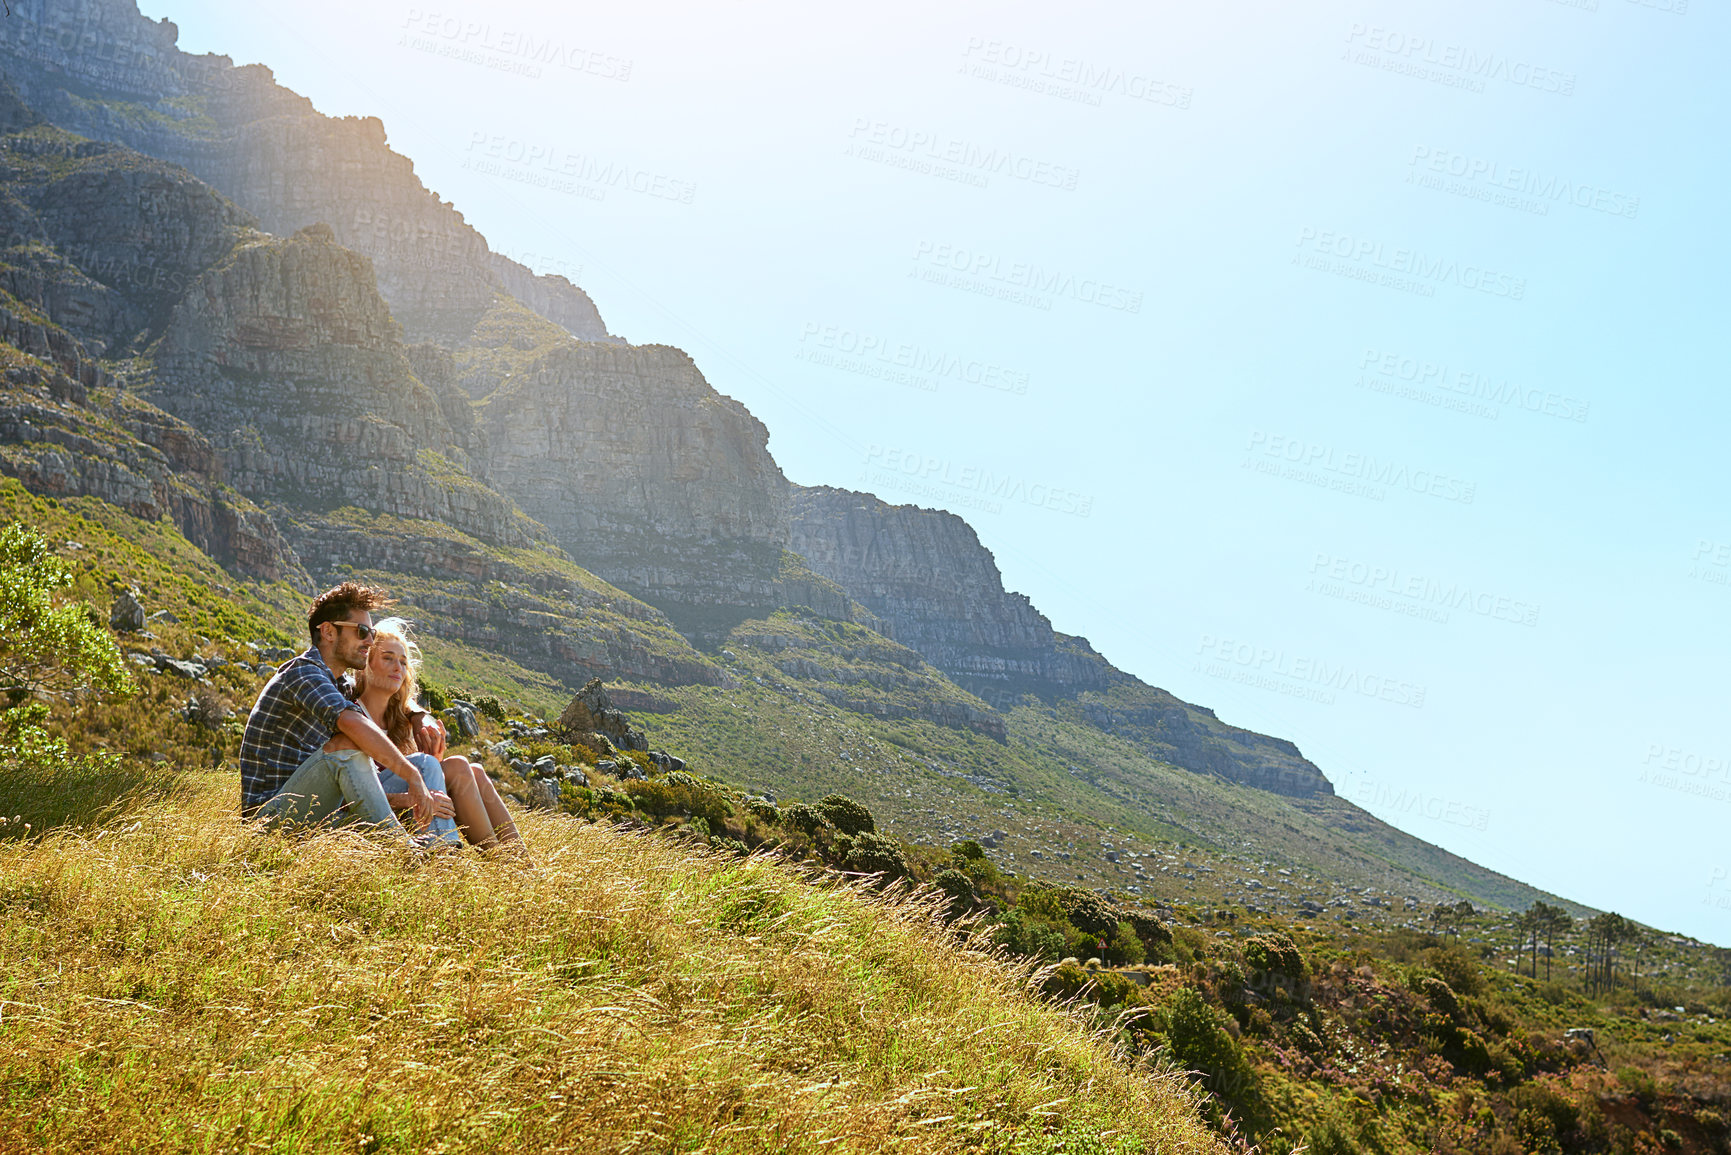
429,735
443,807
424,802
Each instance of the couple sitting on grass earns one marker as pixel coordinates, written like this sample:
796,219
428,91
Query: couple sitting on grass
315,753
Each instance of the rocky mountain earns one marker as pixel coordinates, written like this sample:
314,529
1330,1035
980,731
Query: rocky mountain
166,356
663,486
103,70
937,590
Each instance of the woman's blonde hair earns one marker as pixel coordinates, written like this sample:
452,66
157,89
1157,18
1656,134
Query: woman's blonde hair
404,704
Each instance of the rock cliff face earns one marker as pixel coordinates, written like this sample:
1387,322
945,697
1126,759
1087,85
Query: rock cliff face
102,69
287,358
1192,737
646,475
937,590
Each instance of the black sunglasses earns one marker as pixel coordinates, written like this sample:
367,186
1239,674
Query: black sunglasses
362,631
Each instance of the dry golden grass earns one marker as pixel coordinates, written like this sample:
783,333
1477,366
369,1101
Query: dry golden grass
177,981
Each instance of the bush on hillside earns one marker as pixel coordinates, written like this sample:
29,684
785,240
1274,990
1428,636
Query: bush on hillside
1087,912
969,851
1457,968
433,695
1125,947
1155,935
1028,937
491,707
680,793
60,651
1273,953
804,818
871,853
848,816
958,888
49,648
1197,1040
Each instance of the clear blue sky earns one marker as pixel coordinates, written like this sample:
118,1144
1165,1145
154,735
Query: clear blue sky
1346,367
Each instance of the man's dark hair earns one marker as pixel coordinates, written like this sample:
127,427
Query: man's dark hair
338,602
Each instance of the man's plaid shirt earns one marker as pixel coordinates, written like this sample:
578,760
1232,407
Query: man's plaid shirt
296,714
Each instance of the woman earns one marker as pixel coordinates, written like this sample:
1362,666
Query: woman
387,689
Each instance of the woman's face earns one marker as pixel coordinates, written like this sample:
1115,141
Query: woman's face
387,665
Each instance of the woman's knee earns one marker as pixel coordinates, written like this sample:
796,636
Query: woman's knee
459,775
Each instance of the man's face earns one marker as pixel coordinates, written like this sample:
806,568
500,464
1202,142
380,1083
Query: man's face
350,649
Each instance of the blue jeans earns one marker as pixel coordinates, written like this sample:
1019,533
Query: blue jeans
441,831
339,789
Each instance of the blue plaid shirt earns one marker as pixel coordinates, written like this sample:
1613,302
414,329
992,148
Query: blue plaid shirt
295,715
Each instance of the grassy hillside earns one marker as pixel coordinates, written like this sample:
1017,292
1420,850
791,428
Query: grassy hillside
179,982
811,706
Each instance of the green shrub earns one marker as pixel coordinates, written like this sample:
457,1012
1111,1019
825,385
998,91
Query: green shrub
959,889
491,707
1274,953
1125,948
803,818
680,793
969,851
434,696
1155,935
848,816
1438,994
1197,1040
1030,938
871,853
1088,912
1457,968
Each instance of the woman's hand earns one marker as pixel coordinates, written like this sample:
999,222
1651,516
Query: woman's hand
429,735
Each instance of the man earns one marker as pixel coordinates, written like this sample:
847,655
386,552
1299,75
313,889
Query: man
285,774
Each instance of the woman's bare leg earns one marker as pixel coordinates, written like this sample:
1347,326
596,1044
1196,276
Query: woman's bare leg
472,810
503,826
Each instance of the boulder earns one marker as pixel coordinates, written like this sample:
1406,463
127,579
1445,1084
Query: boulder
463,715
127,615
590,709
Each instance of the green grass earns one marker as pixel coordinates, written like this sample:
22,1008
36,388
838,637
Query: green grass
178,982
